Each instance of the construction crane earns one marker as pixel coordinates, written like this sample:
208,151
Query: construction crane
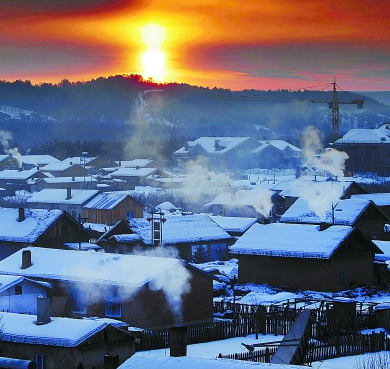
332,104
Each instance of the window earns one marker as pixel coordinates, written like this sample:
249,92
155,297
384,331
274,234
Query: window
113,306
130,215
18,290
44,361
72,211
78,300
342,279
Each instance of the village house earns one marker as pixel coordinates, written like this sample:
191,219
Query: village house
255,203
276,154
305,257
143,291
64,343
360,213
111,207
293,190
368,150
138,177
196,237
138,163
71,201
65,170
19,294
37,227
93,163
9,162
37,161
220,152
75,183
381,200
16,180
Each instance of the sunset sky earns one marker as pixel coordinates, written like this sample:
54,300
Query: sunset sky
260,44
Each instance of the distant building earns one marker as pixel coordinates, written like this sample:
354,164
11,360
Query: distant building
238,152
368,150
33,161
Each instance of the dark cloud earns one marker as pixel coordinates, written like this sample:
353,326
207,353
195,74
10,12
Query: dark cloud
68,7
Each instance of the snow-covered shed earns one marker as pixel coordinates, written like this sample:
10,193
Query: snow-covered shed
37,227
64,342
305,256
360,213
143,291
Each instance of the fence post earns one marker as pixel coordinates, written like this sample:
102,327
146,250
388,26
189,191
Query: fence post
267,358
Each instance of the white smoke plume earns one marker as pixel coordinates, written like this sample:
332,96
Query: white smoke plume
5,136
174,283
330,160
321,196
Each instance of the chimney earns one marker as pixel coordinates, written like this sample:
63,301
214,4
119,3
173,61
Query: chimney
178,341
324,226
43,310
232,195
22,215
68,193
73,178
26,259
217,146
71,163
137,167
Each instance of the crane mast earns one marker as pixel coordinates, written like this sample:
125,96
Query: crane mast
332,104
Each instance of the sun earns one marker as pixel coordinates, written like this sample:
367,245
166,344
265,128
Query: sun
153,60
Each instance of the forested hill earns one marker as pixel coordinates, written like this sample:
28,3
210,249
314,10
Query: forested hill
128,107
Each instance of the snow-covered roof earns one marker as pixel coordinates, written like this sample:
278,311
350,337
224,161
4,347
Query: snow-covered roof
53,180
57,167
385,247
153,361
166,206
301,185
132,237
134,163
379,135
208,144
36,222
291,240
380,199
234,224
133,172
132,271
78,160
346,212
105,200
7,281
278,144
39,159
185,229
58,196
65,332
18,174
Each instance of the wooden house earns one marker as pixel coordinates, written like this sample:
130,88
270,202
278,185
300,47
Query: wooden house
306,257
138,163
111,207
235,226
75,183
37,161
38,227
16,180
71,201
9,162
360,213
94,163
381,200
138,176
196,237
63,342
65,170
143,291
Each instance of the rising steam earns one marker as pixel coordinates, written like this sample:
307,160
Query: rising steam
5,136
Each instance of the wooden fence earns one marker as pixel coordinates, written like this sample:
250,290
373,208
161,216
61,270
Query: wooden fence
243,320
